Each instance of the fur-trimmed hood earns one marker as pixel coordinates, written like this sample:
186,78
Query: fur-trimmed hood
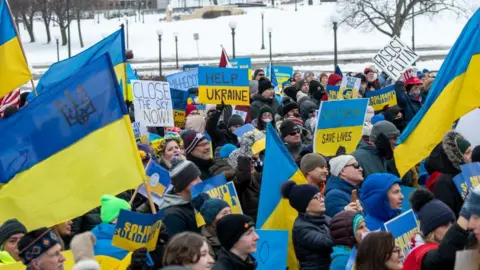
449,144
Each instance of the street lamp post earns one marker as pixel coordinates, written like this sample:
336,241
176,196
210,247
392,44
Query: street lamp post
58,49
128,41
160,33
335,18
270,42
413,30
233,25
175,34
98,18
263,29
295,5
143,16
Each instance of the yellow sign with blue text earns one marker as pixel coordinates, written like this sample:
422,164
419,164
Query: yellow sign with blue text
227,85
339,123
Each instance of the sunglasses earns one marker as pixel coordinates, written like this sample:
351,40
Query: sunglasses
261,74
294,133
318,196
354,165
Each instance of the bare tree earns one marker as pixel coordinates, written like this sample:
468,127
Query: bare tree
46,11
59,7
79,9
389,16
26,10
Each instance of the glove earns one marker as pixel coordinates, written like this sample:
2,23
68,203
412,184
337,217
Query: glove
384,146
139,259
221,107
82,246
244,163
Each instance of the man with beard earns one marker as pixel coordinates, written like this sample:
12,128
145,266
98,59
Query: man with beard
264,97
197,150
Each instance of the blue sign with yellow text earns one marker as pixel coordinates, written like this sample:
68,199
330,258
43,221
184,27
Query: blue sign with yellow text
283,73
243,62
383,97
403,228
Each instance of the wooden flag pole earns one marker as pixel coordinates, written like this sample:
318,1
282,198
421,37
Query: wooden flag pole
149,197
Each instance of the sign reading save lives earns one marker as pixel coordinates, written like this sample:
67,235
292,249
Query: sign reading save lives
229,85
395,58
153,103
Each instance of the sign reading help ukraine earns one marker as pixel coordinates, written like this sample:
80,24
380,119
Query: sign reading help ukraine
244,62
395,58
339,123
272,247
283,73
349,88
153,103
403,228
136,230
228,85
383,97
217,187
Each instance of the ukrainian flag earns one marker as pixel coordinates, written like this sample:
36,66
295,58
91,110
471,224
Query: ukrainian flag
455,92
275,212
68,147
114,45
14,70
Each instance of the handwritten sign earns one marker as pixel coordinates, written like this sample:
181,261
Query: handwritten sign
153,103
217,187
136,230
339,123
228,85
272,247
403,227
395,58
349,88
468,179
242,62
140,132
183,80
383,97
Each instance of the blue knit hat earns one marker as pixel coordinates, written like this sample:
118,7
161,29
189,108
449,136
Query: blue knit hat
299,196
226,150
377,118
208,207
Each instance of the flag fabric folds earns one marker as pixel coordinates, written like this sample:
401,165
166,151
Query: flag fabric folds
338,71
224,61
275,212
454,93
114,45
14,70
273,77
67,148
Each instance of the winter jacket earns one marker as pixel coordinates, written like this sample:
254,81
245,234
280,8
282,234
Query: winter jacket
340,257
305,106
179,214
367,156
259,101
219,136
104,233
203,165
412,106
375,200
248,185
312,242
6,258
86,222
229,261
337,195
86,264
221,165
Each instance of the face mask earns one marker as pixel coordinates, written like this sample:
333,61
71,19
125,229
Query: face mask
268,120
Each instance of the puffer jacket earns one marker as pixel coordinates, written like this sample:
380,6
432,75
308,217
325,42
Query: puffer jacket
179,214
312,242
337,195
258,102
305,105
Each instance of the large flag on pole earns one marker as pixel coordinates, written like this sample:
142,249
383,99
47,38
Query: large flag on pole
224,61
14,70
455,92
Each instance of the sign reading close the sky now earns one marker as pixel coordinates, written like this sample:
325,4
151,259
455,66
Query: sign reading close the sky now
395,58
229,85
153,103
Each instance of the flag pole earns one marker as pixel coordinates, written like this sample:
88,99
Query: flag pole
21,46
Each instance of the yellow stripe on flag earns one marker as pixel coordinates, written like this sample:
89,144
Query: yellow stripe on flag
14,70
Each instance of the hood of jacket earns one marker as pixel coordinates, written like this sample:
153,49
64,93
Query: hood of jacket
259,97
171,199
374,196
438,161
219,165
306,107
335,182
104,231
451,150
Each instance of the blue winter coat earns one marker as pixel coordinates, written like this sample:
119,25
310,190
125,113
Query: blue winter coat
375,199
103,247
340,257
338,194
412,106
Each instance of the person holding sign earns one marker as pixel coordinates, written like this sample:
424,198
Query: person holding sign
441,236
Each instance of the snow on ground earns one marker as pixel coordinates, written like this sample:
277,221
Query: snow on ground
305,31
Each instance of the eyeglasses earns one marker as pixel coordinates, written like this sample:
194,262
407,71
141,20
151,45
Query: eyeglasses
294,133
354,165
194,113
318,196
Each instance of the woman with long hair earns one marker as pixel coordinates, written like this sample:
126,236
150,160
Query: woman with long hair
168,147
190,250
378,251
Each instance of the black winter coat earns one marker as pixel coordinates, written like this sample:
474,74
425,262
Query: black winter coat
248,185
312,242
219,136
259,101
229,261
203,165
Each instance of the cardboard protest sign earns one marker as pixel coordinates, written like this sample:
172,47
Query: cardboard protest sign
461,185
395,58
383,97
403,227
190,67
283,73
217,187
228,85
260,138
339,123
183,80
242,62
272,247
140,132
332,91
136,230
468,179
349,88
159,179
153,103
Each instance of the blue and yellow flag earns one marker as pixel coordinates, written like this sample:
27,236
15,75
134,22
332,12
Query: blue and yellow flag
275,212
113,45
14,70
455,92
66,149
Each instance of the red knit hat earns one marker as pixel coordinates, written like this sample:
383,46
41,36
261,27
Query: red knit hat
333,79
367,70
190,108
411,78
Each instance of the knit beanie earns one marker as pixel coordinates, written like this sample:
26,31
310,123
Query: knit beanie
35,243
476,154
288,127
253,85
231,227
342,228
299,84
338,163
208,207
265,109
311,161
9,228
473,202
377,118
431,213
357,221
299,196
308,74
111,206
235,120
462,144
190,108
385,127
226,150
291,92
191,139
182,173
264,84
289,107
